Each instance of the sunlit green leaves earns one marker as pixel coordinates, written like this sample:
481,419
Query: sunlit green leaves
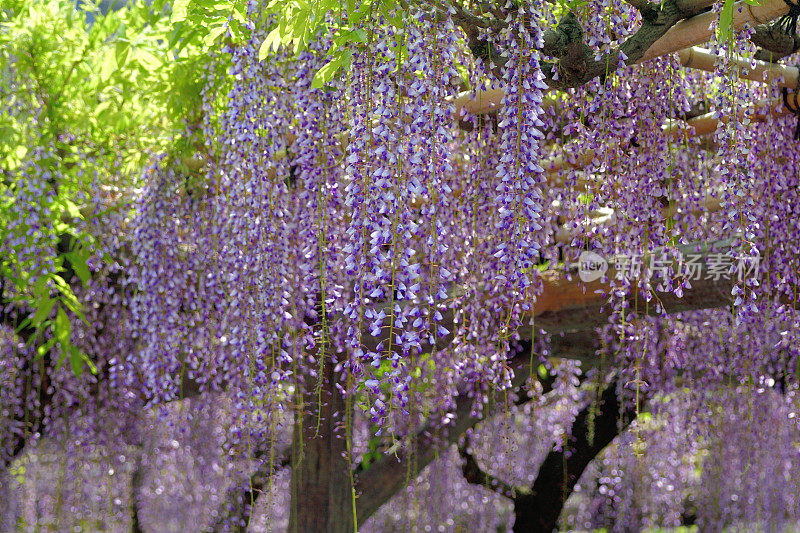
725,25
326,73
179,8
270,44
725,21
214,34
62,332
122,89
296,22
392,14
62,329
562,7
209,19
147,60
109,65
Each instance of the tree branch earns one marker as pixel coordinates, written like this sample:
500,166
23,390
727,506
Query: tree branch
774,42
575,62
475,475
578,66
645,7
597,424
239,507
136,486
387,475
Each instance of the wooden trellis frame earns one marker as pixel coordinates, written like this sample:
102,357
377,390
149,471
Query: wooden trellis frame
685,34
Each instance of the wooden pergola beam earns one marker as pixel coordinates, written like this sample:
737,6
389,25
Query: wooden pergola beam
753,70
711,204
687,33
697,30
567,304
696,126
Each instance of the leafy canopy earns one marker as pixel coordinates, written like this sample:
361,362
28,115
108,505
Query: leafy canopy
87,105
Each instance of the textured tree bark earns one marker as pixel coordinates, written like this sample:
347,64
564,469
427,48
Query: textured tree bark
321,493
6,503
136,486
240,499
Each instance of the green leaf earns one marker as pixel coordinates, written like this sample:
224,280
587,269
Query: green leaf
385,8
121,52
68,297
215,5
71,208
24,323
300,30
102,108
327,71
77,359
542,371
397,20
44,348
109,66
359,35
215,32
78,261
62,329
179,11
239,13
348,58
725,21
43,309
355,35
40,286
148,60
272,42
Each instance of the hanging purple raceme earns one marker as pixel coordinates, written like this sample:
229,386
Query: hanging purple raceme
378,210
18,398
519,196
157,276
253,234
356,194
29,238
431,273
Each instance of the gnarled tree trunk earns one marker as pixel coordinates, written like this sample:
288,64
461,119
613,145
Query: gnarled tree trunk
538,511
321,489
